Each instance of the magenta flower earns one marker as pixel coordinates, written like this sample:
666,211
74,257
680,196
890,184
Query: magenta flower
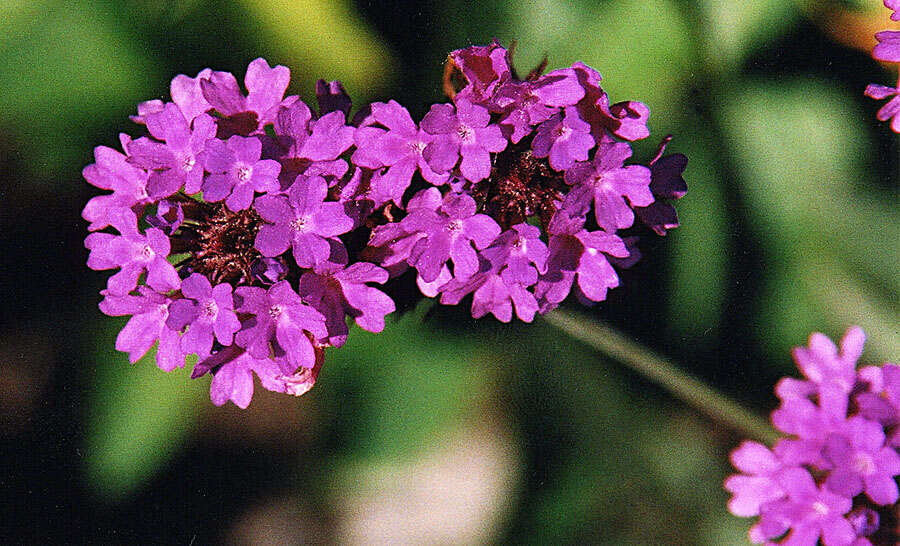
565,138
282,320
810,512
484,67
821,362
528,103
467,132
233,379
401,149
861,462
608,183
666,183
626,120
890,110
230,178
112,171
895,6
332,97
187,93
888,48
519,254
757,484
206,311
836,454
578,255
265,86
237,171
302,221
168,217
450,233
149,311
172,165
338,292
134,253
494,294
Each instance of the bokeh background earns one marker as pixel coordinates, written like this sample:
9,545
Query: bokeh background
445,430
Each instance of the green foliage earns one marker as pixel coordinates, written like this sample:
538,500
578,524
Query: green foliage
138,417
801,148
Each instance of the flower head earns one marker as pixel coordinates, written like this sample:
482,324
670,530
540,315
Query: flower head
836,458
245,227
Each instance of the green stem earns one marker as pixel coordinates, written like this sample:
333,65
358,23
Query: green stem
688,389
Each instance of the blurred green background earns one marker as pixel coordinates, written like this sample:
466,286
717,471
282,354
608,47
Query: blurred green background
445,430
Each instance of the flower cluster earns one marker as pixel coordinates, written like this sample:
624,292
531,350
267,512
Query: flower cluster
247,227
888,50
834,474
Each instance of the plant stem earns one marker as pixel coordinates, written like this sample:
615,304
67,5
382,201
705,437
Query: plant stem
689,390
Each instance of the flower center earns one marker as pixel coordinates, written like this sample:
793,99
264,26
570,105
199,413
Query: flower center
465,132
863,464
519,244
147,252
187,164
244,173
603,182
454,226
416,146
210,309
300,224
275,311
561,132
820,508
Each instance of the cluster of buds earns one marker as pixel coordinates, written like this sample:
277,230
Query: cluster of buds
888,50
833,477
247,228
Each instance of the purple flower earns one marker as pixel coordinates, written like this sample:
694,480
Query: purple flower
112,171
809,512
821,362
493,293
861,462
265,86
268,270
280,318
881,402
237,171
337,292
311,147
577,254
332,97
565,138
134,253
329,138
888,48
519,254
172,165
484,67
608,183
666,182
207,311
401,149
188,95
167,218
149,311
890,110
302,220
233,379
450,233
528,103
626,120
466,132
893,5
757,483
